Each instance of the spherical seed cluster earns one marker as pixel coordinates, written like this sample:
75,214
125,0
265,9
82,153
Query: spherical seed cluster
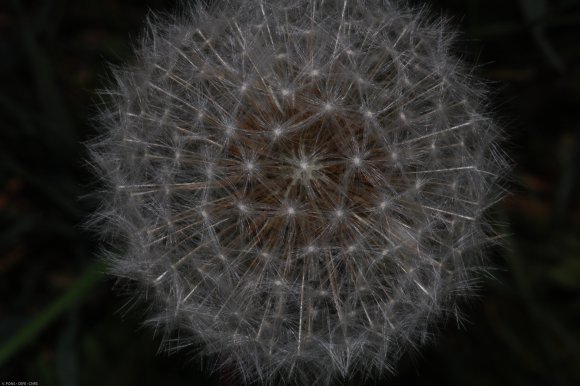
299,184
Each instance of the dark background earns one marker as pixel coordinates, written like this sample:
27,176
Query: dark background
62,323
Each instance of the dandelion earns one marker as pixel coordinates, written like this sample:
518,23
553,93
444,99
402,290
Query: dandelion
298,187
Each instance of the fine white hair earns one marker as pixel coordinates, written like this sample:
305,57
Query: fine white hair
297,187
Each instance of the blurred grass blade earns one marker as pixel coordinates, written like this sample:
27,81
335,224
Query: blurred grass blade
536,13
28,332
47,88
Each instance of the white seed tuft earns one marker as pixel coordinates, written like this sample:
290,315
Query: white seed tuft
298,185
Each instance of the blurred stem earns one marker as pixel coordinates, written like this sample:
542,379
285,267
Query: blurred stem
569,157
535,13
541,317
27,333
49,94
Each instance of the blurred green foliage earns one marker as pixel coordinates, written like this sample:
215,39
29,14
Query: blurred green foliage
61,323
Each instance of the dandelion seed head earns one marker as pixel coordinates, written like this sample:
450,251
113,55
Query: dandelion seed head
302,197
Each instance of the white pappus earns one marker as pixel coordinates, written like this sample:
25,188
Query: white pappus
298,187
